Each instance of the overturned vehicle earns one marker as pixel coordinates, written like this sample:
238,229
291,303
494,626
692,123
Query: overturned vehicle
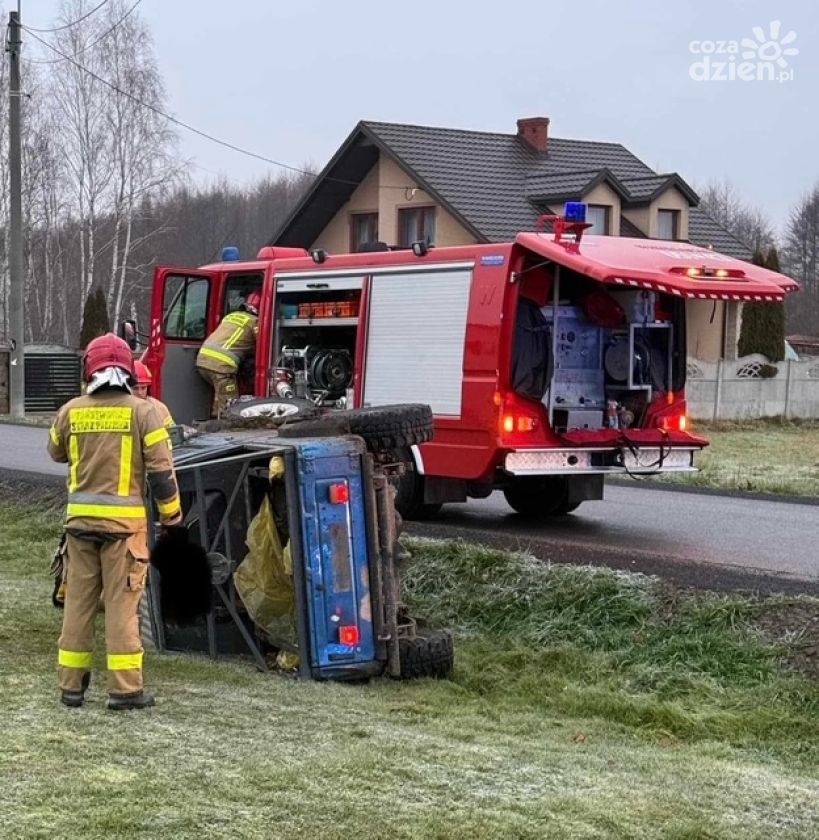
301,534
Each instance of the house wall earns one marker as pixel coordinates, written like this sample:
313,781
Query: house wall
704,334
378,193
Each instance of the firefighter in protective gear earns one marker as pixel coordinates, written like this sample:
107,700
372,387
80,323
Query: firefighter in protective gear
112,442
59,565
219,358
143,390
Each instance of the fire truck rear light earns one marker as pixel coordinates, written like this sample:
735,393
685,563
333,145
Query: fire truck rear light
348,635
701,272
339,494
674,423
519,423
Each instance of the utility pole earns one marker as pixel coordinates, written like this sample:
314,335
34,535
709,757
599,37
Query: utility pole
16,297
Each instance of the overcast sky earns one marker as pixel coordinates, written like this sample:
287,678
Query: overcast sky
290,80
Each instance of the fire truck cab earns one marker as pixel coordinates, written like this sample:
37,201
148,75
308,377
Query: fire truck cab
549,362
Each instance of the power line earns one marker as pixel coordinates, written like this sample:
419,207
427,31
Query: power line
87,46
69,25
188,127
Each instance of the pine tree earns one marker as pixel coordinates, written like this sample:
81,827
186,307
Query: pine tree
763,324
94,318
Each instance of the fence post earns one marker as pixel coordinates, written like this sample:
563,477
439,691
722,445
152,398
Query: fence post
788,390
718,390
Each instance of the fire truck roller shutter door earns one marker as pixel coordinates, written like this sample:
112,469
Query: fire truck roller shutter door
415,351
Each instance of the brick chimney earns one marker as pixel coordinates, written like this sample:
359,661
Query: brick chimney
535,132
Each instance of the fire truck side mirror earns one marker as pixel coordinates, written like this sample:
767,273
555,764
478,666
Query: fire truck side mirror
128,332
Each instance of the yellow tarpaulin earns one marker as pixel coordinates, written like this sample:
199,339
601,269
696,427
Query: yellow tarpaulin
264,579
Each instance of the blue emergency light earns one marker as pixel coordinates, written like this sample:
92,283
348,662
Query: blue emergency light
230,253
574,211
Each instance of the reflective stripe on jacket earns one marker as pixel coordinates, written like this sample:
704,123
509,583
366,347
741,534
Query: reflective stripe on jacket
112,442
229,343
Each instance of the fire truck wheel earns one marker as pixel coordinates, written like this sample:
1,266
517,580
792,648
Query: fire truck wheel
539,496
390,427
273,407
429,654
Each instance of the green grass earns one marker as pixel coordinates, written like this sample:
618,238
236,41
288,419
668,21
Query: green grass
585,704
764,456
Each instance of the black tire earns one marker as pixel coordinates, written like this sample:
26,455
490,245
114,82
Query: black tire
430,654
279,408
409,500
538,496
391,427
330,425
569,507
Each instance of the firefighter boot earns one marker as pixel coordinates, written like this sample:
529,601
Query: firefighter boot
126,702
75,699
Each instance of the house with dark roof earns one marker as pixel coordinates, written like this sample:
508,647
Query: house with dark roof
398,184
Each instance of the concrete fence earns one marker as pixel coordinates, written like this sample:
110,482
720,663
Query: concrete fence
743,389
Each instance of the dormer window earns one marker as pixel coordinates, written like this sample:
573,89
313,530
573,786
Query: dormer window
668,224
599,215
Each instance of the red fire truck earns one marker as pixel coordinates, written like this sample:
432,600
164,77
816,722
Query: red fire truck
549,362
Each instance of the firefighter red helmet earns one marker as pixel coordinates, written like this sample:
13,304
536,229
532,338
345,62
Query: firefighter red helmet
107,351
253,301
142,374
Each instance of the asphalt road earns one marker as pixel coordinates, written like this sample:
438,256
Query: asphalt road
704,540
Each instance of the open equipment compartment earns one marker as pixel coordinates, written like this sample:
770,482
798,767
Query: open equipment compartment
315,337
612,352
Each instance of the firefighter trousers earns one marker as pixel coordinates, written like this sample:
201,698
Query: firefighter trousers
225,389
117,567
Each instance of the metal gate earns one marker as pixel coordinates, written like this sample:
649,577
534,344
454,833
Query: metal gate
52,377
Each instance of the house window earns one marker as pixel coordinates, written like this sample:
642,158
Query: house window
416,224
363,230
668,224
599,215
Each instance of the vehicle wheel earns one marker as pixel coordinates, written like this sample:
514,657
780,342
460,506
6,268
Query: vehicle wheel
409,500
538,496
566,509
429,654
274,408
391,427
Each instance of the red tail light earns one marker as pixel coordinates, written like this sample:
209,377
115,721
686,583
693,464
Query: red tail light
674,422
348,635
518,419
339,494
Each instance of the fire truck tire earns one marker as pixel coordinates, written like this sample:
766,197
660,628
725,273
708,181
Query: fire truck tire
539,496
274,407
390,427
430,654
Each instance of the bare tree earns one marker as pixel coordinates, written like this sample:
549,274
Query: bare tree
83,105
748,224
141,141
800,257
